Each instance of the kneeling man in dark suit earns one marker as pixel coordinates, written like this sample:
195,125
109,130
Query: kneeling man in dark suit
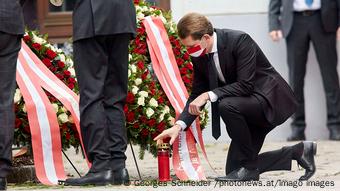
231,72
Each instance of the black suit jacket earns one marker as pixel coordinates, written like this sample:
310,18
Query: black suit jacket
103,17
281,15
247,72
11,17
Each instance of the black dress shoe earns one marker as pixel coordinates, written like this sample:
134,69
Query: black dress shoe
98,179
241,174
121,177
3,184
296,137
306,160
334,134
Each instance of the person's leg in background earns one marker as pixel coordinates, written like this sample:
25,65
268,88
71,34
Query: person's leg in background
9,47
297,44
115,92
325,48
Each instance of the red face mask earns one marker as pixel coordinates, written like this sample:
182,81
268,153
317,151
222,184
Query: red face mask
197,51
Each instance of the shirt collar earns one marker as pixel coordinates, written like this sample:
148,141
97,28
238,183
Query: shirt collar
214,48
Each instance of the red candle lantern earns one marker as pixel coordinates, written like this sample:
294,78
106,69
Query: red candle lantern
164,162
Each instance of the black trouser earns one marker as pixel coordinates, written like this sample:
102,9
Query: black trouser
101,65
9,48
247,128
308,29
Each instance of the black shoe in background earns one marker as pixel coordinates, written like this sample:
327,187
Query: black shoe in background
120,177
98,179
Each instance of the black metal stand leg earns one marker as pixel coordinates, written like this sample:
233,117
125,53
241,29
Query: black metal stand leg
71,163
134,158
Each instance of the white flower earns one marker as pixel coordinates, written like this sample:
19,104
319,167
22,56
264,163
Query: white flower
140,16
17,96
171,120
38,39
72,71
69,61
130,57
133,68
149,112
135,90
161,117
63,118
143,94
145,9
24,109
55,107
129,73
166,109
141,101
138,81
153,102
62,57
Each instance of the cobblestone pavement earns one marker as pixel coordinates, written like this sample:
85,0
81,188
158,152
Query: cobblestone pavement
327,176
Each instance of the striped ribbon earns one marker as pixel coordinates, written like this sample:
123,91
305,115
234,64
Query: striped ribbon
32,77
186,161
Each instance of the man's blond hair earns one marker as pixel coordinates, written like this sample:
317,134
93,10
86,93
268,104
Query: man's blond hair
194,25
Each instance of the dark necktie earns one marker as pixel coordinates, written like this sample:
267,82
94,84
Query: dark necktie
213,83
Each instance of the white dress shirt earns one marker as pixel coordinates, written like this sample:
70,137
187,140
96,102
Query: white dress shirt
300,5
212,96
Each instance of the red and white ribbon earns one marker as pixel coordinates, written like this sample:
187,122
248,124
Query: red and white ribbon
186,161
32,77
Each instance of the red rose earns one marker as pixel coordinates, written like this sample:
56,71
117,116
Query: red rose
67,73
186,80
61,64
186,56
71,86
47,62
72,80
130,117
136,125
145,132
176,51
36,46
51,54
151,122
161,126
136,1
179,61
60,76
18,123
184,71
145,75
68,136
126,108
153,92
130,98
154,135
27,129
141,30
189,66
27,38
143,119
160,100
140,65
52,68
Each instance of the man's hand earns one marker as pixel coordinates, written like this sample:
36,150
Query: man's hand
275,35
172,133
338,34
195,106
